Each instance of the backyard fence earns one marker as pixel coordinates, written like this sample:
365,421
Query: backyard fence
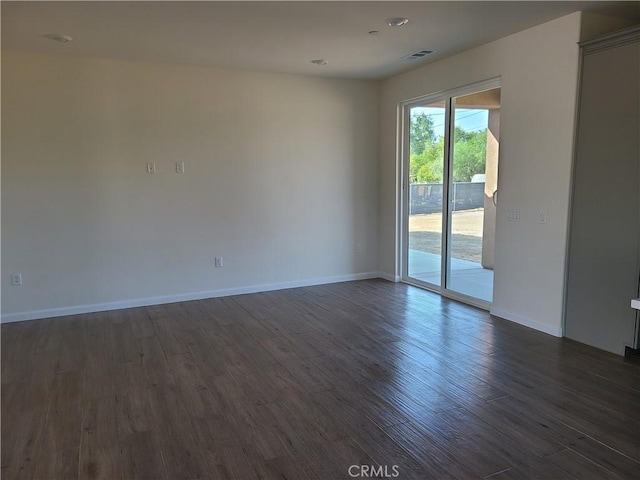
427,197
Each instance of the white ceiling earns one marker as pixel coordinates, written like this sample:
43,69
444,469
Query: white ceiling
280,36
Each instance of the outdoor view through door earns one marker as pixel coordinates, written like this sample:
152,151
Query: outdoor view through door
452,170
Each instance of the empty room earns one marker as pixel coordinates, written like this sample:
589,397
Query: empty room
320,240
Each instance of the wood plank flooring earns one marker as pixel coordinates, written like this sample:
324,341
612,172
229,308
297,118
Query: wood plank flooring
304,384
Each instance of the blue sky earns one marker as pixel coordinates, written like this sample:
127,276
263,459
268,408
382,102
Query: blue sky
467,118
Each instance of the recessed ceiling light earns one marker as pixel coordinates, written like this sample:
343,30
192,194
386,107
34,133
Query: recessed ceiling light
319,61
374,32
396,21
58,38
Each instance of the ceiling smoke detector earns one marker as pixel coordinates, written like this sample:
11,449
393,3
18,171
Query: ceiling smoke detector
417,55
396,21
58,38
319,61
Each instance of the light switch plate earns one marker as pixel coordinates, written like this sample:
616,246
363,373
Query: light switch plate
513,215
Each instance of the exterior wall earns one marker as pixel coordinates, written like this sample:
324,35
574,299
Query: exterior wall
490,187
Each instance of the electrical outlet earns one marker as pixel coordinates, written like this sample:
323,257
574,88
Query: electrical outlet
219,262
151,167
358,248
179,167
16,279
513,215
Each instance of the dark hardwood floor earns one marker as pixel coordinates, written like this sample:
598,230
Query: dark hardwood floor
329,382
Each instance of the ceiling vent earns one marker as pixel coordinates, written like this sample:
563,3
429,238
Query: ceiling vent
418,54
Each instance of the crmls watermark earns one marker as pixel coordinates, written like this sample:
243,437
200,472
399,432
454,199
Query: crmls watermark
374,471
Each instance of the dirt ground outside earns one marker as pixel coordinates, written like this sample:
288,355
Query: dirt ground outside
466,234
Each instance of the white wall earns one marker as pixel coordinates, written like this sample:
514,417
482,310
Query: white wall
280,180
539,70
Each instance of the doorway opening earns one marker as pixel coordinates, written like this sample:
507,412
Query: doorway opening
450,184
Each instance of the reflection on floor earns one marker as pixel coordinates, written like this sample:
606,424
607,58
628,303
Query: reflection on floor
468,278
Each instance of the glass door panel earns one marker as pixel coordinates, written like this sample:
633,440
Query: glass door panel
472,193
425,198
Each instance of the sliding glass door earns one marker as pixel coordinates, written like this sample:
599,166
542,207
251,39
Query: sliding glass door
450,184
426,167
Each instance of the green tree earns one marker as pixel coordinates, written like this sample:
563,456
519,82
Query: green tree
469,154
427,166
427,152
421,133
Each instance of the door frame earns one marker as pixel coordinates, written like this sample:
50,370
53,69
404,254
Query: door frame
402,224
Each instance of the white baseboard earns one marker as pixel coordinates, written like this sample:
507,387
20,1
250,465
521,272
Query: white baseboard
389,277
556,331
184,297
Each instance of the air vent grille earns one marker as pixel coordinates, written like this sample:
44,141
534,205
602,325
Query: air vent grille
418,54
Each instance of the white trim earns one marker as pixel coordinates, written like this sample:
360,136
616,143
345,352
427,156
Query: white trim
446,293
477,87
402,183
402,203
183,297
611,40
401,146
389,277
527,322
